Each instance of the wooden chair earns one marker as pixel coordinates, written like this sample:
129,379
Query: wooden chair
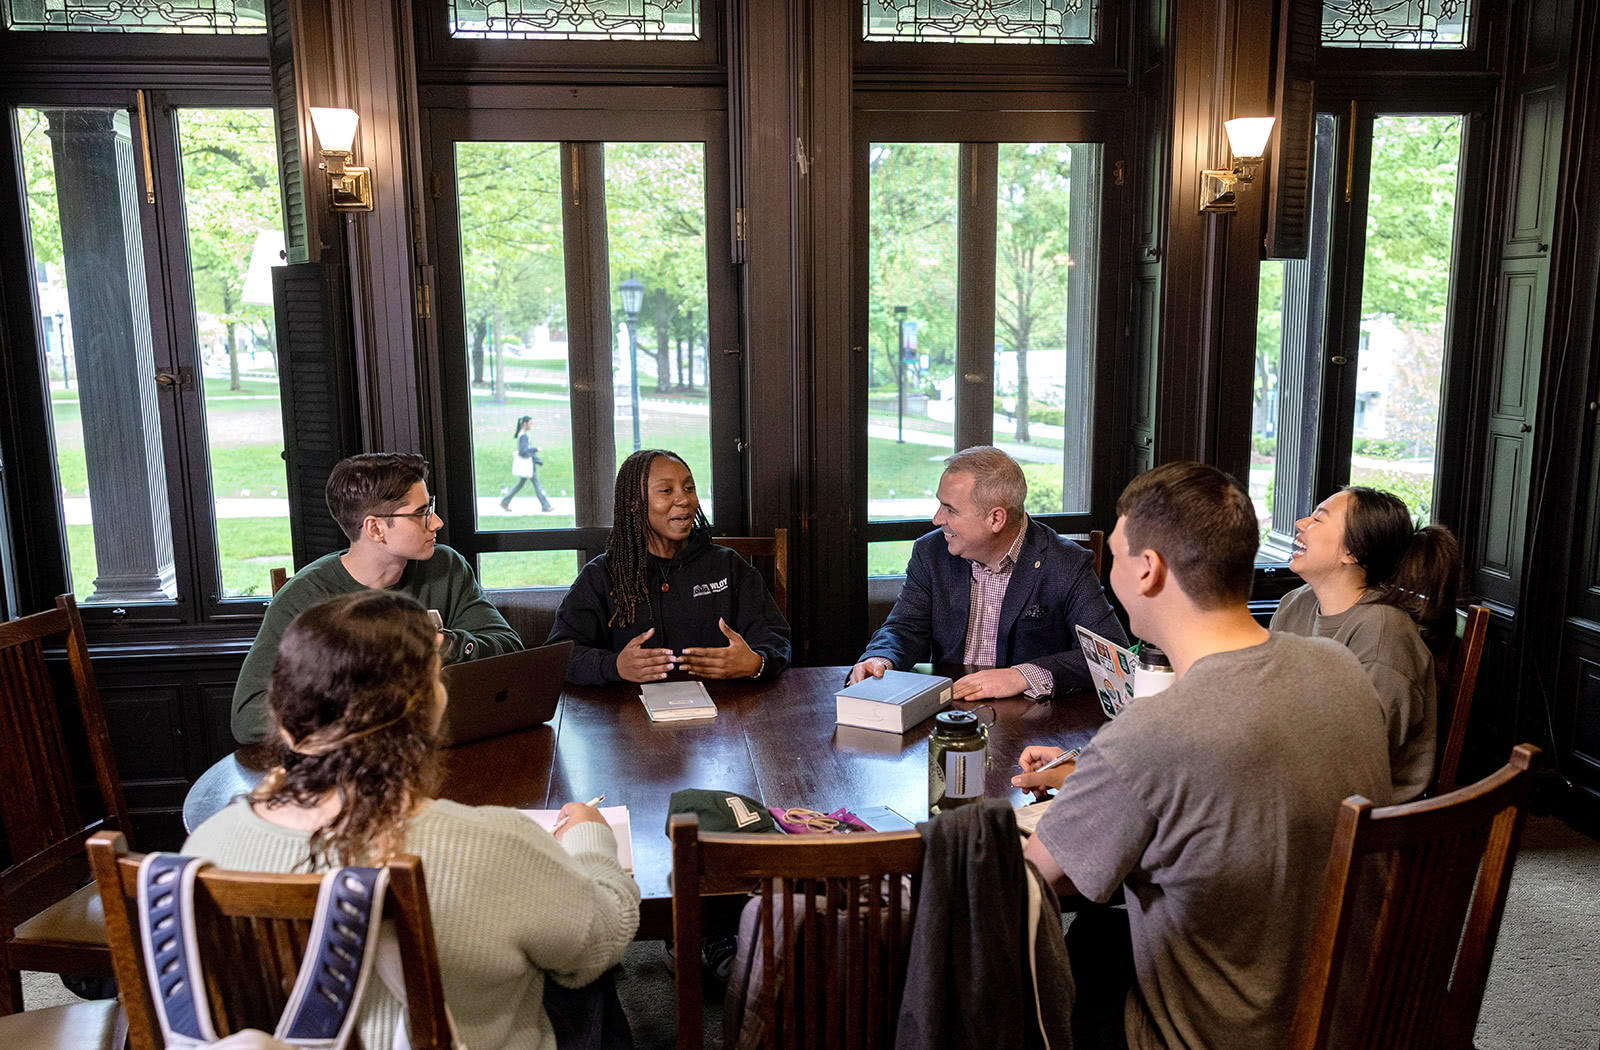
47,922
848,993
775,547
277,576
1463,683
1095,544
1449,863
252,929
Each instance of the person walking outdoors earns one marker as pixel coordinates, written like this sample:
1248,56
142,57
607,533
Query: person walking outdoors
525,464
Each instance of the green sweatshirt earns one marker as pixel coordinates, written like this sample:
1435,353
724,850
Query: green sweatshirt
510,905
474,628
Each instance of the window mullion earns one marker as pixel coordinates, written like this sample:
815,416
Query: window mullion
1346,271
976,209
172,323
588,275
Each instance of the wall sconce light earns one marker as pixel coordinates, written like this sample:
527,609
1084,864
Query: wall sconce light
349,186
1247,138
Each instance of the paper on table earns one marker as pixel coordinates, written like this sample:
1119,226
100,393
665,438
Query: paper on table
616,816
1028,816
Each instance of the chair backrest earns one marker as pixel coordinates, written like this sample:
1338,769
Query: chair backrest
277,576
775,547
1095,543
1447,866
252,928
39,803
847,993
1473,629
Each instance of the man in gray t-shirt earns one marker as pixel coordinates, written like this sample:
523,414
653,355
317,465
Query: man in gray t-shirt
1214,802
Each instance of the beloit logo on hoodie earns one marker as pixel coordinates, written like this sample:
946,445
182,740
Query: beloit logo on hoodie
701,590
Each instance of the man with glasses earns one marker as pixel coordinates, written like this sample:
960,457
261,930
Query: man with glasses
381,501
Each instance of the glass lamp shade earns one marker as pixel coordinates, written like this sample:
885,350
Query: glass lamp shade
632,296
336,128
1247,136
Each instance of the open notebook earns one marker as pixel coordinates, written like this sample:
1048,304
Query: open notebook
616,816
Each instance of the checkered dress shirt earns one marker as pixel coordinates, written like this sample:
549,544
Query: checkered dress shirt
983,618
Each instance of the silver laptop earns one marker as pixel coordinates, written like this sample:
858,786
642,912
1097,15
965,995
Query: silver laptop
503,693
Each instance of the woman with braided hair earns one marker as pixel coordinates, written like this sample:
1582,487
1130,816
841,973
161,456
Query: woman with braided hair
1386,590
663,597
356,700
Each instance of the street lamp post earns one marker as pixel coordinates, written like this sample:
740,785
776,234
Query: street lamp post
61,341
900,375
632,292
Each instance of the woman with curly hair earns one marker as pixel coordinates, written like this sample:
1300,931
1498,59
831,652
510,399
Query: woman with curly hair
1386,590
661,582
356,703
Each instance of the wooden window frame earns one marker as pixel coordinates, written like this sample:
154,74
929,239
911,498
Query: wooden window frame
36,518
887,122
582,133
1334,430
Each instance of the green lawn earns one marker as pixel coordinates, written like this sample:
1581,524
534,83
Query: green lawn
245,458
246,547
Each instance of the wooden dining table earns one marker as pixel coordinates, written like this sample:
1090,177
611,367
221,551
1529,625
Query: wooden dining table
775,741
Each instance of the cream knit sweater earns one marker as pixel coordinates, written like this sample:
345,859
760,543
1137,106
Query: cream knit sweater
509,904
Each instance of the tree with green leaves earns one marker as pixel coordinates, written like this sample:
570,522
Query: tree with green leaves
1032,261
230,196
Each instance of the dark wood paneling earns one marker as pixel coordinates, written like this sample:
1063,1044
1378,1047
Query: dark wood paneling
1581,676
148,721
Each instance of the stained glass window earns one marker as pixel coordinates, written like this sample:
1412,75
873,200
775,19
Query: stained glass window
1396,23
576,19
214,17
981,21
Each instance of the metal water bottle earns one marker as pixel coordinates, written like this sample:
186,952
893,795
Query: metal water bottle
1153,672
958,755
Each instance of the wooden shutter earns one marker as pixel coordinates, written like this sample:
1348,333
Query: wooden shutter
319,413
286,123
1289,197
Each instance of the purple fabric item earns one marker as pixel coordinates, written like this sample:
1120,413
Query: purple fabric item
848,822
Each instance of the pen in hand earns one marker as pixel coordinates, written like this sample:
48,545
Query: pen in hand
1061,759
562,822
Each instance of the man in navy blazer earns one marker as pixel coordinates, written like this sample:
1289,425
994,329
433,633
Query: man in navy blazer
995,588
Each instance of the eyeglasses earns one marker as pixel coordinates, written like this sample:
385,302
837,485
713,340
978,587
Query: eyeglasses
422,515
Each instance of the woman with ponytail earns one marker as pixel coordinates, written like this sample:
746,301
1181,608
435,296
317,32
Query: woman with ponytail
356,702
1386,590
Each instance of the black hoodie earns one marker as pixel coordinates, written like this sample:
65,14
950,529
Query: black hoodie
688,593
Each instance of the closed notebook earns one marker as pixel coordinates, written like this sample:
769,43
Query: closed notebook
893,703
677,701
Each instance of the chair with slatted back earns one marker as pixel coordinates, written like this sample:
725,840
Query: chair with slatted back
47,922
775,547
277,576
1440,897
252,929
1094,541
1474,628
847,991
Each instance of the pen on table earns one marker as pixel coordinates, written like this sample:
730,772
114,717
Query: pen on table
591,804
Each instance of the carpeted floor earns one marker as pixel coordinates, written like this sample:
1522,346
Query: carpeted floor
1544,986
1543,994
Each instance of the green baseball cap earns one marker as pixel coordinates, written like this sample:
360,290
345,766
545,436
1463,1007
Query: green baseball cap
721,810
